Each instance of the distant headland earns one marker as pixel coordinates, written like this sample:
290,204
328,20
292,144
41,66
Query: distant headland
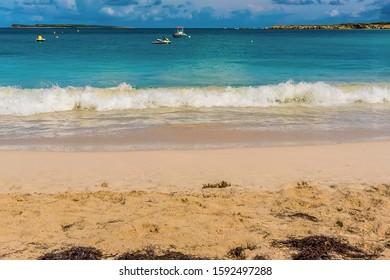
374,25
345,26
77,26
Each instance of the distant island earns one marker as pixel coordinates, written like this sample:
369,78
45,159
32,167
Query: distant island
346,26
375,25
77,26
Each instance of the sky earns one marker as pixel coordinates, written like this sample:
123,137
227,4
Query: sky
200,13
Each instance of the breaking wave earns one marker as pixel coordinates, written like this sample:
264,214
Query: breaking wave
19,101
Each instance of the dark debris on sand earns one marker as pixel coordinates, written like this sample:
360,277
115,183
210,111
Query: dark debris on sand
319,247
150,254
237,253
221,185
302,216
74,253
260,258
298,215
315,247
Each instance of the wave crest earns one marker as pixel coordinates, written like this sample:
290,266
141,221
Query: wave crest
17,101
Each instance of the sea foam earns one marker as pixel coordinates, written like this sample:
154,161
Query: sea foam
19,101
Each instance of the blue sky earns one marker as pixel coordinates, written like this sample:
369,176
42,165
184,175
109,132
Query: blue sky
200,13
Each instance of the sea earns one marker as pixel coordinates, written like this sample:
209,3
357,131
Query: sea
113,90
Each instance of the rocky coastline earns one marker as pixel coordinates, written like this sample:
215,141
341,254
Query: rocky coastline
347,26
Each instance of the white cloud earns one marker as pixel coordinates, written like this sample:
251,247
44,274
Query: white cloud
260,12
358,12
108,11
255,8
334,13
67,4
128,9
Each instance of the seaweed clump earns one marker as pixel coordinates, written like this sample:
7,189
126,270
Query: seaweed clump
74,253
319,247
300,215
220,185
238,253
150,254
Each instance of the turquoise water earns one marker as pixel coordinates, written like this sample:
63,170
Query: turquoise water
211,57
111,89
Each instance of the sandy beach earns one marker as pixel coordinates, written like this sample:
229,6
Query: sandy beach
120,202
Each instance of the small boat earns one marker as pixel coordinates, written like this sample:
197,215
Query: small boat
179,32
40,38
163,41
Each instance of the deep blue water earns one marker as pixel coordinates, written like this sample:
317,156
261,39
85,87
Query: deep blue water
211,57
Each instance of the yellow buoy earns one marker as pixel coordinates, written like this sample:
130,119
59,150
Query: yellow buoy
40,38
57,37
54,32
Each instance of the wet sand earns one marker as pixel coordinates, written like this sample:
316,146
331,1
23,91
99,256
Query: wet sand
125,201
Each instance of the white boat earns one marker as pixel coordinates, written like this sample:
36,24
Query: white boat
179,32
163,41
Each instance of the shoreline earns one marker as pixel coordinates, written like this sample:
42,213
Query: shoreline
268,168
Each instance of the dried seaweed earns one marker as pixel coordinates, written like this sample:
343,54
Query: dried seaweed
237,253
74,253
220,185
319,247
150,254
260,257
303,216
